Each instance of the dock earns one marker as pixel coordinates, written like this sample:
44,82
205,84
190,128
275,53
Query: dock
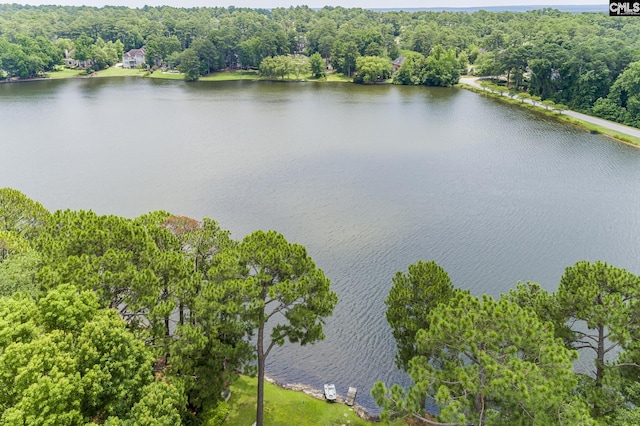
351,396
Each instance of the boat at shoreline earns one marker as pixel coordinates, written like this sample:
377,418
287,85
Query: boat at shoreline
330,392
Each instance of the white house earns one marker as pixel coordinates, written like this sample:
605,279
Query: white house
133,58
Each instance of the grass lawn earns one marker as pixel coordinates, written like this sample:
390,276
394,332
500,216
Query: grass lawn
61,72
166,75
334,76
286,407
232,75
118,72
254,75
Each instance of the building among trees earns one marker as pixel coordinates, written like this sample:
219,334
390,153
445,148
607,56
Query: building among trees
133,58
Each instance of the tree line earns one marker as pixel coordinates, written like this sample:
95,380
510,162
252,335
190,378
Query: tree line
510,361
587,61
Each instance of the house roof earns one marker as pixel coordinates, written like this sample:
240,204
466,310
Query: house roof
135,52
399,61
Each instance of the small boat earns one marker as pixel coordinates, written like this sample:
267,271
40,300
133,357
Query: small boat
330,392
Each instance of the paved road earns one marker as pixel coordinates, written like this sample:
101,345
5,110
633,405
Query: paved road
620,128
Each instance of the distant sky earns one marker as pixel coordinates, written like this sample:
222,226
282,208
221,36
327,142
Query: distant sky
312,3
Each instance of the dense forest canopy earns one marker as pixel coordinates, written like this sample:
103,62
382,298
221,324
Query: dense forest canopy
586,61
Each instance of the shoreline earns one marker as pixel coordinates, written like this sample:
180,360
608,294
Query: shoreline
616,131
318,394
225,75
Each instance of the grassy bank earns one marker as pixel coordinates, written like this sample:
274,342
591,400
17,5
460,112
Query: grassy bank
287,407
165,75
254,75
216,76
232,76
61,73
594,128
119,72
557,115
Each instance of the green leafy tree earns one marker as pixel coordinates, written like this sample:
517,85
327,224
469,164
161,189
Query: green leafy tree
268,67
322,37
159,48
161,404
20,214
488,362
541,83
410,72
316,64
190,65
114,366
283,65
515,61
11,243
344,56
83,47
300,65
208,55
411,298
18,270
441,68
65,361
372,69
284,292
623,98
13,59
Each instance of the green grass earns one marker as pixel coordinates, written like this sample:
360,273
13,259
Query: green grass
61,72
119,72
287,407
594,128
334,76
232,75
254,75
166,75
216,76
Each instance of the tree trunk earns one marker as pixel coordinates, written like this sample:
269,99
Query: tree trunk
260,404
599,368
600,357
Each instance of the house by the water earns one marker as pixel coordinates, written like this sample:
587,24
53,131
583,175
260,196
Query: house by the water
133,58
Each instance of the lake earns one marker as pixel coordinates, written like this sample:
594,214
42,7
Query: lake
369,178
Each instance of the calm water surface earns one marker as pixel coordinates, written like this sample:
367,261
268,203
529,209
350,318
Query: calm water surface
369,179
